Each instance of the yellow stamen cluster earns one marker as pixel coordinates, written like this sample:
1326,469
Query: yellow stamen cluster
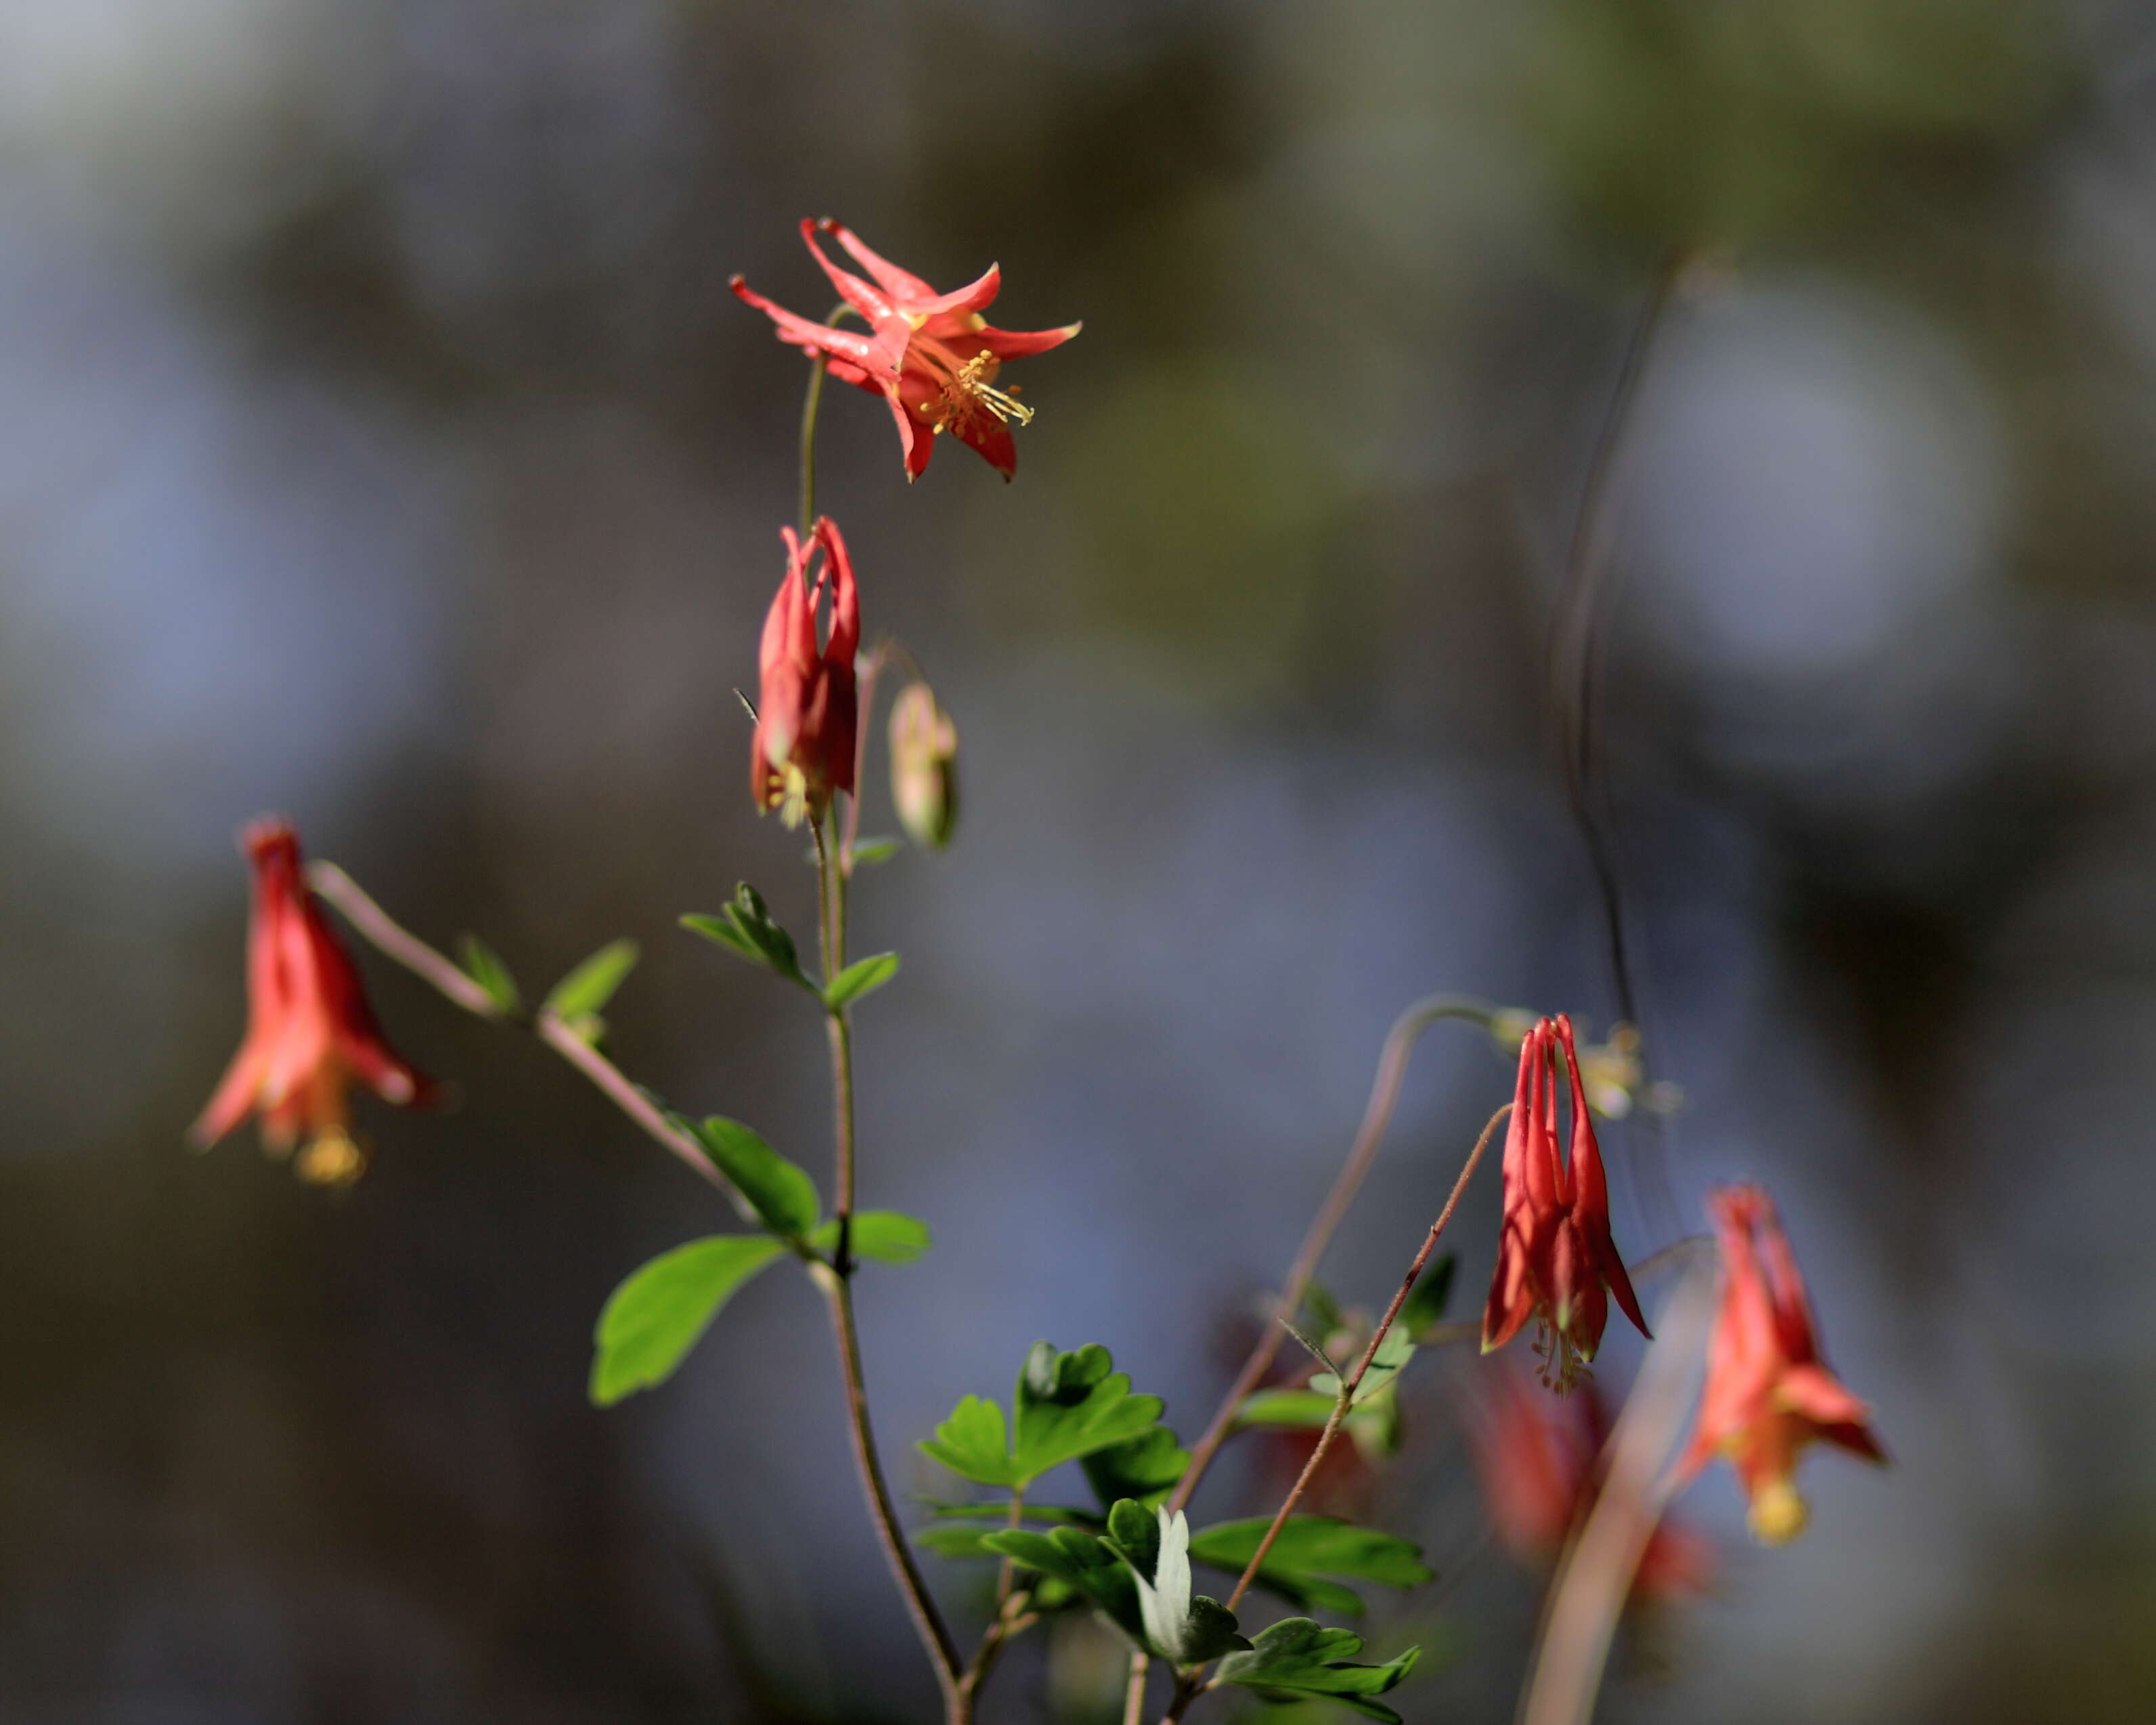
331,1158
786,790
1562,1370
1777,1513
970,390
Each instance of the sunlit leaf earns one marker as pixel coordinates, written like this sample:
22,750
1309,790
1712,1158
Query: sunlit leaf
653,1319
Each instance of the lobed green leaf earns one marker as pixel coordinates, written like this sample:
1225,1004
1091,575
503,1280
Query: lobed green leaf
973,1443
1071,1404
1297,1659
1144,1468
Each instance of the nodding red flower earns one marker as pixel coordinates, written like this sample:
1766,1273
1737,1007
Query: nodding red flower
1554,1253
309,1033
1768,1391
932,355
807,715
1540,1461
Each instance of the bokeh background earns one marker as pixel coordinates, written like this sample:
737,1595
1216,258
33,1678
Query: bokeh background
378,444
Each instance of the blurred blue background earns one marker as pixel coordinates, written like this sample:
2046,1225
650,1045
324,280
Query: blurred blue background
379,444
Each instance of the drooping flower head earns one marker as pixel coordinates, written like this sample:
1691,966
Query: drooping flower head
1539,1462
931,355
1768,1392
806,715
1555,1258
309,1033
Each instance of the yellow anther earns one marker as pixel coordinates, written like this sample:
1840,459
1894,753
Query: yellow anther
1777,1513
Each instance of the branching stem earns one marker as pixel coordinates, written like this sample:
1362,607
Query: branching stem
1377,1115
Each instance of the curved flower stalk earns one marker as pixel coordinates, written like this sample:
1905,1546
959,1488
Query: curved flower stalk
1555,1258
933,356
311,1035
1768,1392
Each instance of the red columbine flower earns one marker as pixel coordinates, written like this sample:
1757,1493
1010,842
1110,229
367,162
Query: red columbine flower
1554,1253
309,1034
1539,1462
807,711
932,355
1768,1392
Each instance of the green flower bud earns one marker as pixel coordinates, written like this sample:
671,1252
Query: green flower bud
924,766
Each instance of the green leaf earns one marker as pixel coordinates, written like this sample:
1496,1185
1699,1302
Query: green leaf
486,968
1134,1530
885,1235
863,977
744,927
653,1319
1296,1660
951,1540
584,992
1322,1310
1144,1468
972,1443
1086,1565
1184,1628
783,1194
1425,1304
717,929
1309,1547
1071,1404
1392,1354
1300,1408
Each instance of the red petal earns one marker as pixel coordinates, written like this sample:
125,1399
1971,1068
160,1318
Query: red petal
1018,344
846,346
900,285
992,439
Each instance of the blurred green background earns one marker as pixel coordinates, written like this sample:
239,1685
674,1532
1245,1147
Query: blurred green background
378,444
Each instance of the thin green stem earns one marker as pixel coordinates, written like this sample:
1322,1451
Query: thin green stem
811,408
955,1676
920,1604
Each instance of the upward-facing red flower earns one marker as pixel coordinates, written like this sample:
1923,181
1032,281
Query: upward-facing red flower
1768,1391
1554,1252
806,715
309,1033
932,355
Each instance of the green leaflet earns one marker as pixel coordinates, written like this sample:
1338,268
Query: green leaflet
1296,1660
584,992
1066,1406
887,1236
862,976
651,1321
1310,1547
782,1194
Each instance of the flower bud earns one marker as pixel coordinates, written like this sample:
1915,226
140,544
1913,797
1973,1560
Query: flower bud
924,766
